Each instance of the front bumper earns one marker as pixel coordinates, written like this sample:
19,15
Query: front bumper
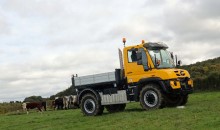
179,86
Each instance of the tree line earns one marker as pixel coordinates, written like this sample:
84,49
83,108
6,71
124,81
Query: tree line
69,91
205,74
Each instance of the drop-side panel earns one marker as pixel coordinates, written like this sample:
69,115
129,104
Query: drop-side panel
118,98
95,79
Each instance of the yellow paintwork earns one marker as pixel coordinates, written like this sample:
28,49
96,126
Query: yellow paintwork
135,72
190,82
175,84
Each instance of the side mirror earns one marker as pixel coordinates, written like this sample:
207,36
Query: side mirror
171,54
179,63
139,58
139,55
142,58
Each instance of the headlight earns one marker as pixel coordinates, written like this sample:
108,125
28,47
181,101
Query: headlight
175,84
190,82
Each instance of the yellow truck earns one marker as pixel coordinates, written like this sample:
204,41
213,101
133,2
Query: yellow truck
147,74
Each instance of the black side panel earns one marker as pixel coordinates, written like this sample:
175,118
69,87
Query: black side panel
144,80
119,76
110,91
136,93
120,80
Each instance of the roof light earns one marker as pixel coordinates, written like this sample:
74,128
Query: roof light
124,41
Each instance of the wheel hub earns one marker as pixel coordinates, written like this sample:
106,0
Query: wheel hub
89,106
150,98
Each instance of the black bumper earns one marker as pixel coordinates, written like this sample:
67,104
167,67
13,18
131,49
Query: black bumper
185,88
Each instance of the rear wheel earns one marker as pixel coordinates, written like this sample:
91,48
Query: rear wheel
122,107
101,110
151,97
90,105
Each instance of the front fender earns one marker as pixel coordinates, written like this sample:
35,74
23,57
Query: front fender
156,80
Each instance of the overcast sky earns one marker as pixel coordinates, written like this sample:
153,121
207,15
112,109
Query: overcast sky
44,42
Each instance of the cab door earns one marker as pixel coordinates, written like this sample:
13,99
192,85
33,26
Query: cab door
133,71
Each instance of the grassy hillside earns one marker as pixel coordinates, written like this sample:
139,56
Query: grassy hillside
201,112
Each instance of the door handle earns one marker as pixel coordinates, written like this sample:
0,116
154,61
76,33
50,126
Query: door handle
129,72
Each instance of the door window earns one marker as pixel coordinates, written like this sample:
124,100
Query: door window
132,56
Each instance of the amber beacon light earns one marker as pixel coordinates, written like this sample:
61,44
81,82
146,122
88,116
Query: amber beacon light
124,41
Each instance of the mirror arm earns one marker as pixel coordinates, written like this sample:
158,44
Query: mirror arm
176,60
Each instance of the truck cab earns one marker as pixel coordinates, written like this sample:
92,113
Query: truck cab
150,61
150,64
147,75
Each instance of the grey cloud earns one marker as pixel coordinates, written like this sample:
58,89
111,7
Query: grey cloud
52,75
195,51
207,8
187,26
27,83
34,8
153,3
141,28
4,25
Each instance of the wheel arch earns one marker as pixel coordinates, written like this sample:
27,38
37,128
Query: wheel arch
153,80
86,91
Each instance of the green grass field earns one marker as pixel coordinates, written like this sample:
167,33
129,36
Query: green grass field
201,112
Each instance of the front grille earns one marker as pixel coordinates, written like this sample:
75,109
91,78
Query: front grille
179,73
184,83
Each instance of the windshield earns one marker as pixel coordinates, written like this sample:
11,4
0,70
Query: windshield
162,57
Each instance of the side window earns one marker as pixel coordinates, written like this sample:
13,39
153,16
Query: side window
132,56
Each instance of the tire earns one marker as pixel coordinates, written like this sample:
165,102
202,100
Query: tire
184,100
179,100
101,110
151,97
112,108
173,101
122,107
90,106
115,108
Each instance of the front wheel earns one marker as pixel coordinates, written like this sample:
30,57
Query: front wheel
179,100
90,105
151,97
184,100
